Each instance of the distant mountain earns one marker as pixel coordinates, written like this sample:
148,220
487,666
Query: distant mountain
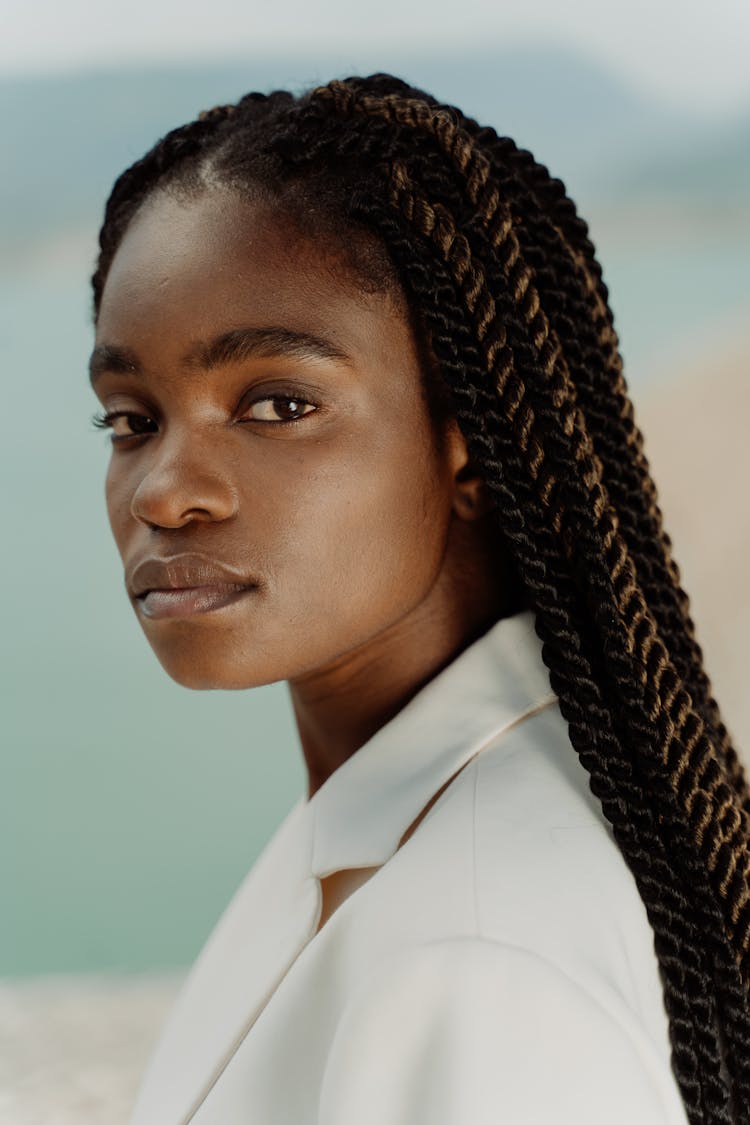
66,138
712,169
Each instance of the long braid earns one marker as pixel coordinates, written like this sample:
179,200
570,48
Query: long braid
504,279
592,515
674,957
623,802
561,252
601,375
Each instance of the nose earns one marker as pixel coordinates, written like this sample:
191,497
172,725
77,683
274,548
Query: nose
186,482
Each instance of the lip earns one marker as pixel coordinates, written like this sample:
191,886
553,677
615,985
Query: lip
185,584
190,600
181,572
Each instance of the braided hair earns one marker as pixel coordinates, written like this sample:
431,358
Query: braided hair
507,298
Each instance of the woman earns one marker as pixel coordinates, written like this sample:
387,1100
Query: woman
371,436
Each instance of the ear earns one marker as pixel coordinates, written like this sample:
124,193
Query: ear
471,498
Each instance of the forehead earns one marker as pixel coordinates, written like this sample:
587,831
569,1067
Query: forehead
193,267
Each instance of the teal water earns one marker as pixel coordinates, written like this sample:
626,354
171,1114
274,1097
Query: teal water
130,807
666,296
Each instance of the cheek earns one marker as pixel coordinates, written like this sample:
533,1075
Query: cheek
374,525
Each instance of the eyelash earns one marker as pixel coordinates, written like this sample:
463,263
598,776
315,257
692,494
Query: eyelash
104,419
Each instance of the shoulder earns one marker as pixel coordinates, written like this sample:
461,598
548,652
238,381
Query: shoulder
547,874
539,832
475,1030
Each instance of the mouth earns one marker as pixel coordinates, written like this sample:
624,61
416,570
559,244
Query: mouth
185,601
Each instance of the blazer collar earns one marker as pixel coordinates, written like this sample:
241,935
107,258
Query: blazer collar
362,810
355,819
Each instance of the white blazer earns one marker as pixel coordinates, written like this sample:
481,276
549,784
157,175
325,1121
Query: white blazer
498,967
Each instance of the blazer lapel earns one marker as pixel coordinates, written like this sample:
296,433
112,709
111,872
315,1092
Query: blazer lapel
271,918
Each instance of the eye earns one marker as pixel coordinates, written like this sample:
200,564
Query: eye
286,408
124,424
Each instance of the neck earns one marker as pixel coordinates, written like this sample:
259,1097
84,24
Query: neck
341,706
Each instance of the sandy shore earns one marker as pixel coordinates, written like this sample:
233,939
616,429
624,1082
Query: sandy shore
72,1050
696,437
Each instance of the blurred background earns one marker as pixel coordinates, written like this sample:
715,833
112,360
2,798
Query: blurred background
131,808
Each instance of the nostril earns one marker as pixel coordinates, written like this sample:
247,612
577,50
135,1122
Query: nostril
169,519
175,505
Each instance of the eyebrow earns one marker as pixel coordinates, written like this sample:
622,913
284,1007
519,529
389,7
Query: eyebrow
106,358
229,347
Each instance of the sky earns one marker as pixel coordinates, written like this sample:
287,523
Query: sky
691,52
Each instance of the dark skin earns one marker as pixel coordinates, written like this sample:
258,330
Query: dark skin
370,541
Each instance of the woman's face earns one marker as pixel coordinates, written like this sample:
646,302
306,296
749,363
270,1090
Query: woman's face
217,322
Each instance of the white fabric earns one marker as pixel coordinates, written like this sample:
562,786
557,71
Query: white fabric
498,967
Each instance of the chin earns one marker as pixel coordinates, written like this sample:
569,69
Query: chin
197,679
212,679
198,669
